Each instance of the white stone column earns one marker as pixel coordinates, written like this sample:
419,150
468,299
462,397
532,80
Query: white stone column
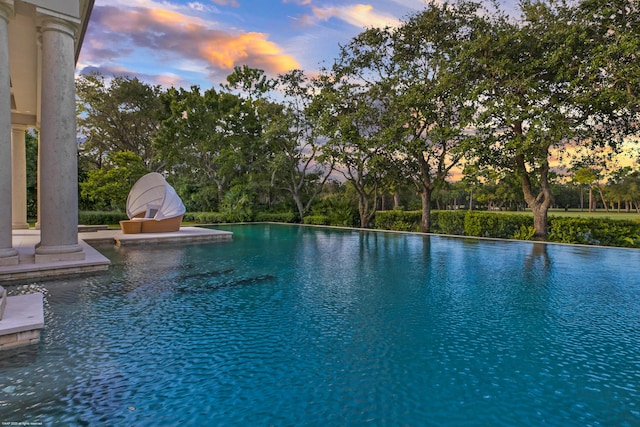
19,178
8,255
58,145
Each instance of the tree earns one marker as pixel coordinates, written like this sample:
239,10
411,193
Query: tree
107,188
121,115
299,165
610,75
624,185
533,98
431,99
588,177
353,121
209,138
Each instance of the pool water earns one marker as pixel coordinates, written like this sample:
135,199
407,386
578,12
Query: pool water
289,326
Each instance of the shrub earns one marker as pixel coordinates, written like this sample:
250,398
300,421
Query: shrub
236,204
206,217
526,232
317,219
595,231
397,220
498,225
101,217
339,212
589,231
276,217
448,222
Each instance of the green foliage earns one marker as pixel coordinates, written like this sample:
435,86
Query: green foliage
339,209
206,217
108,188
448,222
487,224
595,231
397,220
288,217
118,114
589,231
317,220
236,205
100,217
526,232
31,141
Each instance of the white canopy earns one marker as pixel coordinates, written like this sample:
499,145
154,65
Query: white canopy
152,196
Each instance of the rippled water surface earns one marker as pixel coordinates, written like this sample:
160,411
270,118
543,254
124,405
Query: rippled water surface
303,326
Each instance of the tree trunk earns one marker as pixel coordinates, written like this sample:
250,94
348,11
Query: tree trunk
396,200
539,203
604,202
425,222
300,206
540,221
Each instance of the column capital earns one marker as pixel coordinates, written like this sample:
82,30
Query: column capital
49,21
6,9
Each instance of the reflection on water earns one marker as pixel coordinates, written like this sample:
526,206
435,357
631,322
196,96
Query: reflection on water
298,326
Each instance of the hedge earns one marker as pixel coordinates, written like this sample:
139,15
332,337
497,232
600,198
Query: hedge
276,217
499,225
595,231
206,217
590,231
100,218
397,220
317,220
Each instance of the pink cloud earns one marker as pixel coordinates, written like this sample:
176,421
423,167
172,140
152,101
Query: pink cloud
173,35
359,15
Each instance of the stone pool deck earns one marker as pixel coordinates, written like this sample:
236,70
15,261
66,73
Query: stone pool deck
23,317
27,269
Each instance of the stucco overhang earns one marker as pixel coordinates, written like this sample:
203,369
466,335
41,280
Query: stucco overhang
24,63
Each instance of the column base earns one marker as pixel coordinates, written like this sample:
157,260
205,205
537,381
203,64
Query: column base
23,226
9,256
58,253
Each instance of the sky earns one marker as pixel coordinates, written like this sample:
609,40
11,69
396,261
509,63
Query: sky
182,43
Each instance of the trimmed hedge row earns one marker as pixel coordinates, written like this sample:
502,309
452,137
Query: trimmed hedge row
595,231
100,218
590,231
218,217
276,217
317,220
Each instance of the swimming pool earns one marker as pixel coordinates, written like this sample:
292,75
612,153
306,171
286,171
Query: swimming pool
291,325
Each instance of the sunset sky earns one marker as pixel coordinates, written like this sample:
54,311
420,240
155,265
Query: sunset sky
182,42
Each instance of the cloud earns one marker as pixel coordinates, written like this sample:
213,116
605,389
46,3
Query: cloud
299,2
233,3
358,15
164,80
171,35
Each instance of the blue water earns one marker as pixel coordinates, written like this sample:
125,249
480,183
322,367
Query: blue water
289,326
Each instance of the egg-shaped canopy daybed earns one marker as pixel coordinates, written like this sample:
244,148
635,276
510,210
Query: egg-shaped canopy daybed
154,203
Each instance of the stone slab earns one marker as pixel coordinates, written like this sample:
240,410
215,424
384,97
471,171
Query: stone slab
28,269
23,313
